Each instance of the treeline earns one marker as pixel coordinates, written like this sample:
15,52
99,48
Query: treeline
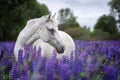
15,13
107,27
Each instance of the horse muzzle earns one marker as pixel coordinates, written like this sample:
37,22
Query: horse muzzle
60,50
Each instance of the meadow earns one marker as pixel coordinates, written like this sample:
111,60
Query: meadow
92,60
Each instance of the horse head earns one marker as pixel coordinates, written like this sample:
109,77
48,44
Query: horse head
49,33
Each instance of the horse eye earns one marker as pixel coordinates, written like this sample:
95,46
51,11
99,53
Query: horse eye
51,30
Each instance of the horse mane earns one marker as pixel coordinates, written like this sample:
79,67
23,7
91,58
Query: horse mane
41,20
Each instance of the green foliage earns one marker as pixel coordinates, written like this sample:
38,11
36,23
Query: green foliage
83,74
69,24
79,33
72,22
67,18
115,5
99,75
99,35
115,36
14,15
115,8
6,77
106,24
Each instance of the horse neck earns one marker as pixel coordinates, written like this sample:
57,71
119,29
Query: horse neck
29,31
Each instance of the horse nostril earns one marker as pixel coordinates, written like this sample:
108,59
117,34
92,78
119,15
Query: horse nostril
61,50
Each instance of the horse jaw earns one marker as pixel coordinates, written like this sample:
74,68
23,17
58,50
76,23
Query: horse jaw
57,43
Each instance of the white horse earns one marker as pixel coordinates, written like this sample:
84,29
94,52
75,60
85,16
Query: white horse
44,29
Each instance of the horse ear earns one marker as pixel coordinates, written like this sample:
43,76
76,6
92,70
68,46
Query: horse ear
49,16
54,15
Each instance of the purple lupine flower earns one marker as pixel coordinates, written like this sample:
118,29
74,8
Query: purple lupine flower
13,72
39,52
90,70
77,44
1,54
8,68
42,65
76,69
65,59
56,68
54,55
20,57
77,55
110,73
39,62
72,56
26,51
35,65
83,57
18,71
110,50
83,78
35,76
36,61
49,71
64,72
24,75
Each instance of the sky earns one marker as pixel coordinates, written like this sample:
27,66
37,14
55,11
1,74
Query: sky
86,11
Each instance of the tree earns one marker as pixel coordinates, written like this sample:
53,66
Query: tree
67,19
115,8
7,17
14,15
69,24
106,24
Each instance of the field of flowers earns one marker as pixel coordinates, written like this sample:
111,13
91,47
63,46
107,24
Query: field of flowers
92,60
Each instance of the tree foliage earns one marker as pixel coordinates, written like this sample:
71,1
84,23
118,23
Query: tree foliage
69,24
106,24
15,13
115,7
67,19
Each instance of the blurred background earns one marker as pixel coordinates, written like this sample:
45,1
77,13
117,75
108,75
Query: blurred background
82,19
